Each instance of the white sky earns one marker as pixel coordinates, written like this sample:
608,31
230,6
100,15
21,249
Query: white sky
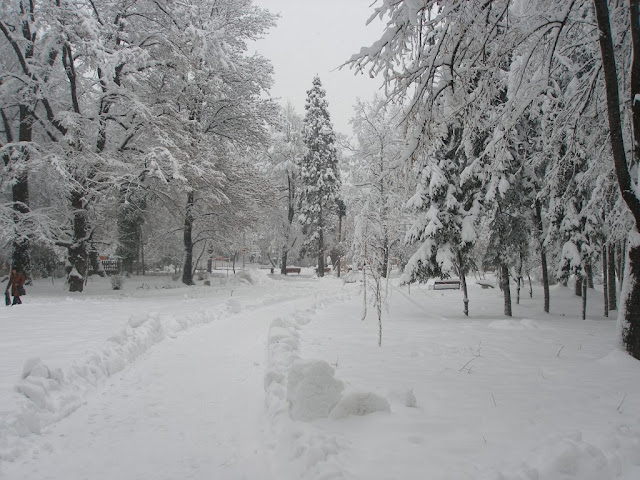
315,37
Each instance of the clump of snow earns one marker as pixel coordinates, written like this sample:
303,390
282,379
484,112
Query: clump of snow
254,277
359,403
312,390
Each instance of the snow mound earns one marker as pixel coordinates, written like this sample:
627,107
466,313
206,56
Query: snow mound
571,457
254,277
359,403
312,390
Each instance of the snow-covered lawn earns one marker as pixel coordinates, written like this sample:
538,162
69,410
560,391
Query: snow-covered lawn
259,377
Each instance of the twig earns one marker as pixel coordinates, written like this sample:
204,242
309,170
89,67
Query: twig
494,399
336,364
465,365
620,406
558,354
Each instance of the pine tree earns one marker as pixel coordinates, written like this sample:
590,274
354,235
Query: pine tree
447,208
319,176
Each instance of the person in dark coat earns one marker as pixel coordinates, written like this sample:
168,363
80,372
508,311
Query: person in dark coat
16,283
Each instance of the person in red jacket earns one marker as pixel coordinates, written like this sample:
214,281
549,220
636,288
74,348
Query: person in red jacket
16,282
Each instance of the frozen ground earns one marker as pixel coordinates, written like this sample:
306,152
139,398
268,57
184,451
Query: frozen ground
259,377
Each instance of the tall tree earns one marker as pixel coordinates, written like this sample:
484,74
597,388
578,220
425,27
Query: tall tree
629,312
284,155
319,175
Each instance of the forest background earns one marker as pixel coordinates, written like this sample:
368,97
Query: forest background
508,138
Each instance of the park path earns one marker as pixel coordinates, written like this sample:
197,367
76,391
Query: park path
191,407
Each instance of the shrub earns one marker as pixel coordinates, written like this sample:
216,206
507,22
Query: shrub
117,281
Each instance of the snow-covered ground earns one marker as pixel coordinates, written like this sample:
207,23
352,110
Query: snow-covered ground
269,377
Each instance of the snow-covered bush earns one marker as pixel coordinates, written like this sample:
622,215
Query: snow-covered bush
117,281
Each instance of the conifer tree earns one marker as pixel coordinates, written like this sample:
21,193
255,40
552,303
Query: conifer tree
447,206
319,176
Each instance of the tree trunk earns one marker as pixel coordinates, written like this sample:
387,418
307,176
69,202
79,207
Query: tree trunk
619,254
339,242
623,256
543,257
504,281
465,296
94,261
378,293
605,279
629,315
589,277
630,300
321,253
187,270
77,252
20,252
585,287
577,287
385,257
611,277
291,199
463,283
283,260
144,267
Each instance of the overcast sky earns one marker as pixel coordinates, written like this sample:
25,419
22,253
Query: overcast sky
315,37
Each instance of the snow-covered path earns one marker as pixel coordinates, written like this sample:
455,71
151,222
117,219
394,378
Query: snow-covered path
192,406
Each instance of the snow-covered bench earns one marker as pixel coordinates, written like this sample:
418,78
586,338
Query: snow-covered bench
289,270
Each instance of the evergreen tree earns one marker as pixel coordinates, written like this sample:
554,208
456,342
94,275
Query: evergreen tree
319,176
447,208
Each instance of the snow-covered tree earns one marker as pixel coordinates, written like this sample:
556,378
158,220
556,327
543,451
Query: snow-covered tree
375,195
319,175
284,156
447,205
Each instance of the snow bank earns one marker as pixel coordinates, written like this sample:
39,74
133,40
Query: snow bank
571,457
254,277
50,394
299,392
360,403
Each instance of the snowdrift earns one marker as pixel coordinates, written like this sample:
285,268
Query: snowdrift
50,394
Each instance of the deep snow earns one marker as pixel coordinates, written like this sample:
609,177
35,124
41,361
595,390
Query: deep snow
260,377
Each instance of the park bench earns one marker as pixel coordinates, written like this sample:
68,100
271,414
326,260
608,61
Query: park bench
446,285
289,270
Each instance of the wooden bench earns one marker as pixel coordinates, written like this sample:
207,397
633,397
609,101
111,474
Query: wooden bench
289,270
446,285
